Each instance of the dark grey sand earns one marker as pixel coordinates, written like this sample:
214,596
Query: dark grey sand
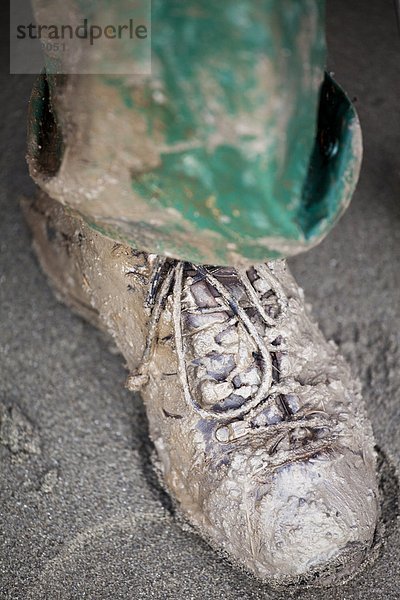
81,514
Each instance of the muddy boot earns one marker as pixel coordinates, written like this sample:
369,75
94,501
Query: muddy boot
237,150
261,434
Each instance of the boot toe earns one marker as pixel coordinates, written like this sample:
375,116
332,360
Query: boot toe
307,520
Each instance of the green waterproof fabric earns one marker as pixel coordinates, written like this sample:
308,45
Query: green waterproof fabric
258,152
